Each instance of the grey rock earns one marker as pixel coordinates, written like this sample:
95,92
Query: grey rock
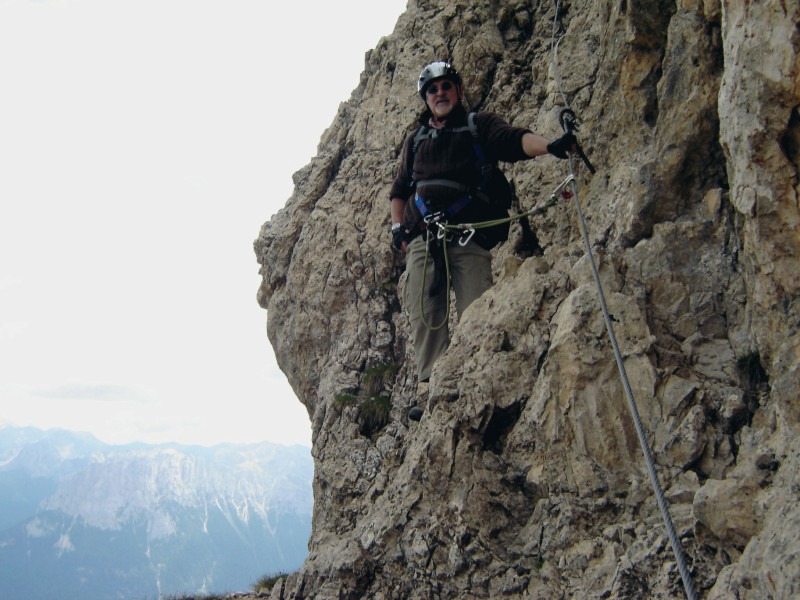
525,477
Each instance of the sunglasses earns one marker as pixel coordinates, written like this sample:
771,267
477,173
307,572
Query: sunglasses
433,89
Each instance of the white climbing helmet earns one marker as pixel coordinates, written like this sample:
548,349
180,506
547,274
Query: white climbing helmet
437,70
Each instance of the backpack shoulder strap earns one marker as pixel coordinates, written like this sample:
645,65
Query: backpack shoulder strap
472,123
423,133
483,164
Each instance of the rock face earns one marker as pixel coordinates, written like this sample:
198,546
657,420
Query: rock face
525,478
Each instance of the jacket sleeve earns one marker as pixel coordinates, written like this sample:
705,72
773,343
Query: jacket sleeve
401,188
501,140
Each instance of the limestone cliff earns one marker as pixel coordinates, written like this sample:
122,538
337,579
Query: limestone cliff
525,478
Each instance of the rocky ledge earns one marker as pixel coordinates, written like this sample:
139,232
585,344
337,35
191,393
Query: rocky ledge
525,479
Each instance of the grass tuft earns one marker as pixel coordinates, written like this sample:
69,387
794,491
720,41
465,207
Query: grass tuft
345,399
373,404
374,412
268,581
375,379
194,597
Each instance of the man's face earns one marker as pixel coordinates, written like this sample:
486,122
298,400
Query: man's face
442,95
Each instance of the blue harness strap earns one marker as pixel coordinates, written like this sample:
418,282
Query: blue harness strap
452,210
421,206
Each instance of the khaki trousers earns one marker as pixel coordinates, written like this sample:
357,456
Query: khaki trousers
470,276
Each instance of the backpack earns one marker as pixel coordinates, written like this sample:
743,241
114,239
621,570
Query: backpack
490,200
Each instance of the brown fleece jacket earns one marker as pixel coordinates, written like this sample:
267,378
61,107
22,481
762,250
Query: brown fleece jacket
451,155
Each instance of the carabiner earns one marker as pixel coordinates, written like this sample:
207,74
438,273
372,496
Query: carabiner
463,240
569,123
561,186
431,218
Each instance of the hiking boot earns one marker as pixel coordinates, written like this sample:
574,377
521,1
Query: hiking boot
415,414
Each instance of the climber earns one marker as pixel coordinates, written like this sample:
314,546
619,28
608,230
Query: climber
440,172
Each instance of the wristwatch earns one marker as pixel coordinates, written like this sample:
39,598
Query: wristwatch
396,226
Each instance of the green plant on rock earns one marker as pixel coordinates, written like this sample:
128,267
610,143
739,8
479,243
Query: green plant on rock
344,399
193,597
268,581
374,414
374,405
375,378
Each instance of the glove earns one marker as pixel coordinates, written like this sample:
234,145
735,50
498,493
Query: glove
399,236
560,147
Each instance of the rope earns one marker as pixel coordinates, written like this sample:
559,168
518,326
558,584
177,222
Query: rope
466,227
494,222
422,286
662,502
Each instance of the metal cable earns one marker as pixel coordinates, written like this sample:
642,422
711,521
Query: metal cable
662,502
554,56
648,457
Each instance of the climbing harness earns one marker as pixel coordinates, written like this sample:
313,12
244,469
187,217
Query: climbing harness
437,227
569,123
486,169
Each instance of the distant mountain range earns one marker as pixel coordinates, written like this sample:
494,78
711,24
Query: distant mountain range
83,520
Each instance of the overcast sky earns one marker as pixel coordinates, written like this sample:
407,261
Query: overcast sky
142,145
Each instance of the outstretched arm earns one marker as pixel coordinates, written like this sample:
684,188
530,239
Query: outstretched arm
534,145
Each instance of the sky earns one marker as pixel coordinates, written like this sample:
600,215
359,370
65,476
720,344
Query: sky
142,145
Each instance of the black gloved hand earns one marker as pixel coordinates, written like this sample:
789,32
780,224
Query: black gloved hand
560,147
399,236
